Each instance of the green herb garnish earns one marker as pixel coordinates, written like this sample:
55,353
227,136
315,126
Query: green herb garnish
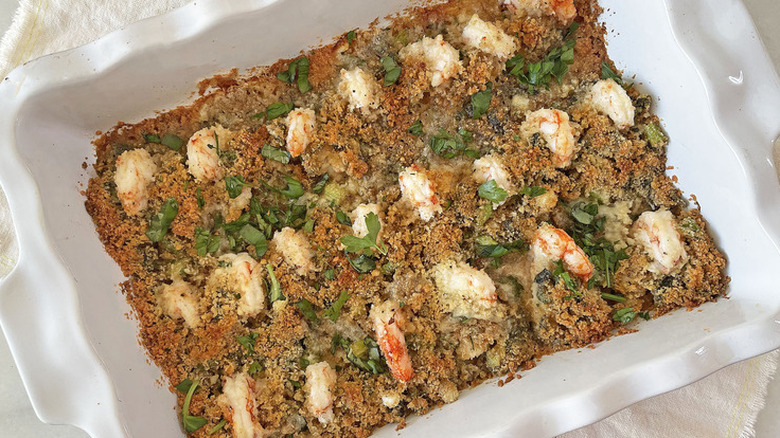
480,101
184,386
449,146
351,37
392,71
489,247
275,291
235,185
199,198
492,192
334,310
533,191
298,72
248,342
628,314
152,138
277,109
416,128
218,427
294,189
567,280
319,186
191,423
276,154
655,135
369,241
172,141
363,353
613,297
554,65
205,242
362,263
158,226
343,219
307,310
255,237
330,274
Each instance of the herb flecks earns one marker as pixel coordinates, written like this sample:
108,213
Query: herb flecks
191,423
392,71
158,226
297,72
554,65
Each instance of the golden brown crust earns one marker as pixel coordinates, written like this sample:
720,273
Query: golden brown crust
363,151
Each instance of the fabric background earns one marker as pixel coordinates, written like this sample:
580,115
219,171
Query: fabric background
724,404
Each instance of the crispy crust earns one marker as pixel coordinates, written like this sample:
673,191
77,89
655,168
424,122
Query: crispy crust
363,152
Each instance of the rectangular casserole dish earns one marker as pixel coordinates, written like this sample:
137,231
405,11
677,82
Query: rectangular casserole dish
67,323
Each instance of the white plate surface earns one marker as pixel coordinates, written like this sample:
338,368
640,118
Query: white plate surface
65,320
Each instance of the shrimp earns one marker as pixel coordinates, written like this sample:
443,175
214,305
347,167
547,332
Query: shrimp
134,172
488,38
564,10
489,168
295,248
442,61
609,98
202,157
420,192
244,275
552,242
300,127
465,291
238,402
320,382
388,322
657,232
178,300
359,227
359,88
557,132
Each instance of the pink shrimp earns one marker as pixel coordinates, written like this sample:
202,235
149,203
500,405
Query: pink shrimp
387,325
420,192
300,127
550,241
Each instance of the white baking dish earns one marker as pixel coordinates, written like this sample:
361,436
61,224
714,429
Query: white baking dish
66,321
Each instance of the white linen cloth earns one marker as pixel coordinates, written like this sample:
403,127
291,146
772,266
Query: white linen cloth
724,404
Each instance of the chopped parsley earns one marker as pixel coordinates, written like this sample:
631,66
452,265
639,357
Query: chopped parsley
392,71
567,280
218,427
533,191
628,314
492,192
294,189
415,128
369,241
191,423
587,226
275,110
334,310
298,72
480,101
613,297
248,342
363,353
449,146
351,37
256,238
160,222
152,138
184,386
488,247
235,185
554,65
319,186
330,274
343,218
608,73
276,154
199,198
255,368
275,291
205,242
363,264
307,310
172,141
